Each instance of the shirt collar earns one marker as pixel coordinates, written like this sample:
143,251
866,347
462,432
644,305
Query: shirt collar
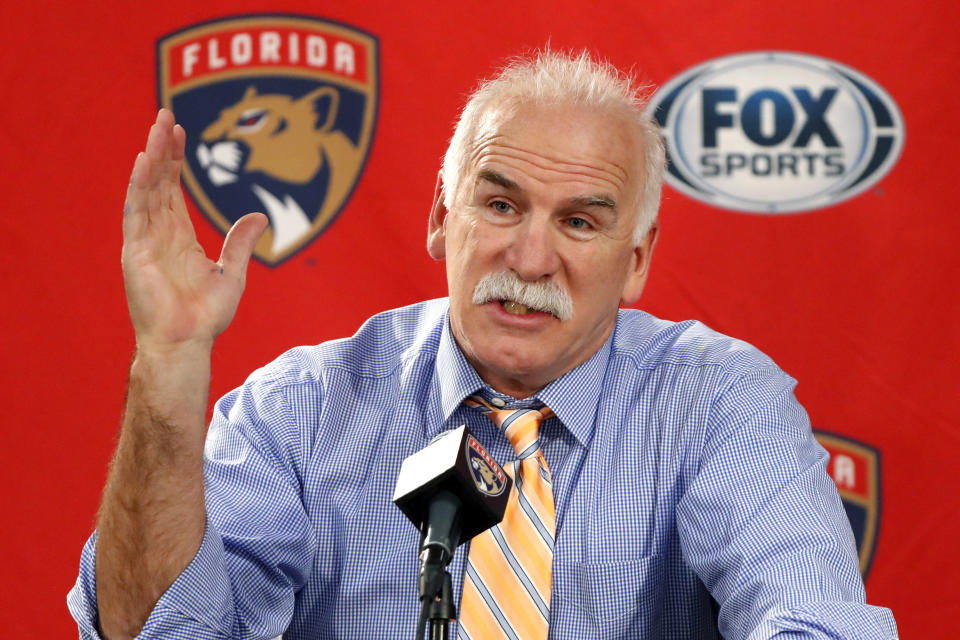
574,396
457,379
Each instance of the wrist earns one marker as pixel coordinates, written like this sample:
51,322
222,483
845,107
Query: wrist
172,353
172,382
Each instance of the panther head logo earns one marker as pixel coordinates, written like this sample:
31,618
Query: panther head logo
487,474
273,139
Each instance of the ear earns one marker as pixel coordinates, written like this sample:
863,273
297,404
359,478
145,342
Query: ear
436,226
640,266
251,91
312,102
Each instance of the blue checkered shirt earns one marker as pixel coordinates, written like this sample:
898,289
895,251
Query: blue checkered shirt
691,497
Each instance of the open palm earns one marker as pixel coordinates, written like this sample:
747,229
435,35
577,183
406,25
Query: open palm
176,294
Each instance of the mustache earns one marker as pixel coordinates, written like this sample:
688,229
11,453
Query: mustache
542,295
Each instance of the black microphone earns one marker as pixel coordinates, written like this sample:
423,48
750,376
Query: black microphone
451,490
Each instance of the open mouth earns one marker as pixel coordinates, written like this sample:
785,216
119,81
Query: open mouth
516,308
531,302
222,160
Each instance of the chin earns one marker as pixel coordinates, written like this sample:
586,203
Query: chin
528,370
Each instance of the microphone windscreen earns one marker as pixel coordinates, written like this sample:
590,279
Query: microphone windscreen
454,461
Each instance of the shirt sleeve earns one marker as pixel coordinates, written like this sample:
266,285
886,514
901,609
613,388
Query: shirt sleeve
763,527
206,616
259,544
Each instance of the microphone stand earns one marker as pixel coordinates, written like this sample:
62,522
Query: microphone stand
438,608
435,583
451,490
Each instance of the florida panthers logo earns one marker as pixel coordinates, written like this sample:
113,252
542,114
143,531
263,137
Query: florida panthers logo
279,113
279,137
855,468
487,474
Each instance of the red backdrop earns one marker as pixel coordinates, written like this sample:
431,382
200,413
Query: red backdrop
858,301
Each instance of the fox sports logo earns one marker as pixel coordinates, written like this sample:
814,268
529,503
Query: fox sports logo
775,132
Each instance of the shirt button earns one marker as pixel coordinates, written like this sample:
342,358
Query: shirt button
498,402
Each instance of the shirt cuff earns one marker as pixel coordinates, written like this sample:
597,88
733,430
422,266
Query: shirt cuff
830,620
199,604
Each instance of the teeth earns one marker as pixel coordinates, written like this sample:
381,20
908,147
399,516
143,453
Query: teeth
515,307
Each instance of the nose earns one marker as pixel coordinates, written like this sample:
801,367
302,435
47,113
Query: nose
533,251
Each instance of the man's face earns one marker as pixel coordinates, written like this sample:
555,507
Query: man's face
549,195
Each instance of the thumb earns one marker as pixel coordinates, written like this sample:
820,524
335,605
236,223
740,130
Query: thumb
239,243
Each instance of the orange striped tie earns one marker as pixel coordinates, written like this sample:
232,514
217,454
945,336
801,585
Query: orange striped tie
506,591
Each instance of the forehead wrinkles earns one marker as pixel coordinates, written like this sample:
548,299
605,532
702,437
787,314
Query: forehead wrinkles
556,168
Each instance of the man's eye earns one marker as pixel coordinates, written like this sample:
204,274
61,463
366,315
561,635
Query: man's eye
501,207
578,223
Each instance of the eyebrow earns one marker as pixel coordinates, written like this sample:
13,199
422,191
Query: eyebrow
594,201
501,180
498,179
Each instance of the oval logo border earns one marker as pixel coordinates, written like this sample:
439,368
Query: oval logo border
886,132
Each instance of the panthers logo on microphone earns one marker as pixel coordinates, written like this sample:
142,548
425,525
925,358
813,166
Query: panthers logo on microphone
279,113
855,468
487,474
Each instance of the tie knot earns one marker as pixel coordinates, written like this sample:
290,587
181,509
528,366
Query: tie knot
521,426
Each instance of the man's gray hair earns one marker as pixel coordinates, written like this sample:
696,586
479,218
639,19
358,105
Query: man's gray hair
550,77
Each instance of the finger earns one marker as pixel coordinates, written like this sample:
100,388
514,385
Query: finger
129,202
179,143
174,153
161,147
165,119
166,145
157,141
239,243
135,208
169,179
146,173
162,194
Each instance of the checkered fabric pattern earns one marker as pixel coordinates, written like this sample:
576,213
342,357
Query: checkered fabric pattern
684,472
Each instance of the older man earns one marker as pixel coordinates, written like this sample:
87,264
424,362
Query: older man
668,485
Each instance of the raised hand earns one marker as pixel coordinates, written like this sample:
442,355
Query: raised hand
176,295
152,517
